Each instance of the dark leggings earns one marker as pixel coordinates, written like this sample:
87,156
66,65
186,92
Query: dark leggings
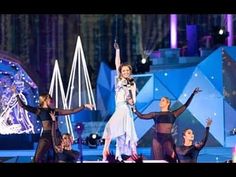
45,151
162,147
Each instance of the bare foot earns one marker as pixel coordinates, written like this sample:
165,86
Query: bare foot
105,154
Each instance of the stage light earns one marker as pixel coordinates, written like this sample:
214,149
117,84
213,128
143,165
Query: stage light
94,136
93,140
79,128
142,64
219,35
144,60
221,32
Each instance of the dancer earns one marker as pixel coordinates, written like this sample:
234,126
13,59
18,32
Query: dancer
188,152
46,105
63,145
162,143
121,124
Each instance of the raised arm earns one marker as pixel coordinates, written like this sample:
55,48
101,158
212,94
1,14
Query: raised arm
56,142
72,111
27,107
204,140
180,110
150,115
117,57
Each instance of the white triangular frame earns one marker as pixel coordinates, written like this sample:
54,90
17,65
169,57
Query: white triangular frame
79,59
56,77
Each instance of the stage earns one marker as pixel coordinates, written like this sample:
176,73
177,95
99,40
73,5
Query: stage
207,155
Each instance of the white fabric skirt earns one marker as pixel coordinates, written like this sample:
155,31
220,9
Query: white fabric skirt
121,127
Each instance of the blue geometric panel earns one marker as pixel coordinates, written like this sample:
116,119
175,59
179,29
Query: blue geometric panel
141,80
111,103
212,69
105,94
231,52
102,95
113,76
141,106
146,94
104,76
230,124
208,103
187,120
178,84
160,90
175,79
141,125
105,90
230,118
229,77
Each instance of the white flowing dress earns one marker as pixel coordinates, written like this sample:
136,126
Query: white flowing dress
121,124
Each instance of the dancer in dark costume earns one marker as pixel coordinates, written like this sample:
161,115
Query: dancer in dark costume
63,145
46,106
162,143
188,152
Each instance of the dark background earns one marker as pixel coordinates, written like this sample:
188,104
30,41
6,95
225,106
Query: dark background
39,39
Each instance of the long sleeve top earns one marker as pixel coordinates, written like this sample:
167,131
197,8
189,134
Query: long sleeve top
189,154
62,155
43,114
165,117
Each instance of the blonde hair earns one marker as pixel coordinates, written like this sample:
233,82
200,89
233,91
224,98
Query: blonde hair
168,100
43,98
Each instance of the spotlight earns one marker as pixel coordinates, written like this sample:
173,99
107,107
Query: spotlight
221,32
142,64
219,35
79,128
94,136
144,60
93,140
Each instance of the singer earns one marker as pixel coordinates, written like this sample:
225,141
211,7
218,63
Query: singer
162,142
121,124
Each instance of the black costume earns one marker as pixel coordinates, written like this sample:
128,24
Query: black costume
189,154
162,143
45,144
63,156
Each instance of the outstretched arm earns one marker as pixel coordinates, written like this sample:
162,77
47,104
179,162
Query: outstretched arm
180,110
72,111
117,57
27,107
150,115
204,140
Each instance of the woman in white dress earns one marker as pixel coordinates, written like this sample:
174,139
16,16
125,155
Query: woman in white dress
121,124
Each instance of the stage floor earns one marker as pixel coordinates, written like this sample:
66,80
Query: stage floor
207,154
